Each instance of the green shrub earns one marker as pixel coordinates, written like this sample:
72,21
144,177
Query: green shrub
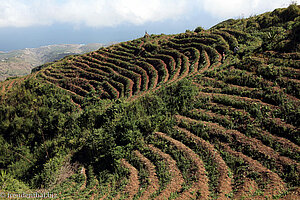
179,97
10,184
199,29
151,47
48,177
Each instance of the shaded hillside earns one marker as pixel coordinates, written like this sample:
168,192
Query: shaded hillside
185,116
20,62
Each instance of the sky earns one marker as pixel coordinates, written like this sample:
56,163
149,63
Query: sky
34,23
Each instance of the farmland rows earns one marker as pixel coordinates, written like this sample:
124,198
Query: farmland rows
89,78
237,33
232,41
234,145
268,97
7,85
65,83
76,98
266,141
152,178
201,182
80,186
133,183
118,73
158,187
245,116
176,177
239,140
223,151
218,118
276,185
99,78
254,146
91,74
149,73
4,86
217,135
132,73
125,62
129,69
223,187
269,79
176,62
251,106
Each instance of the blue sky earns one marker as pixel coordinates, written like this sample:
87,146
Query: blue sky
34,23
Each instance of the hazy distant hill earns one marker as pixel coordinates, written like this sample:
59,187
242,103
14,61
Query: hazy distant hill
20,62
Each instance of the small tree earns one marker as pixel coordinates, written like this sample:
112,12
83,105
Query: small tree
199,29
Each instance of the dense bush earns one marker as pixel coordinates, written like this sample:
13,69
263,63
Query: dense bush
199,29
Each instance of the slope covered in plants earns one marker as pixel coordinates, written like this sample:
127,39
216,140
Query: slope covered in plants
206,114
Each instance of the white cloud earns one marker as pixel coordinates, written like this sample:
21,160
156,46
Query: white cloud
12,12
102,13
94,13
241,8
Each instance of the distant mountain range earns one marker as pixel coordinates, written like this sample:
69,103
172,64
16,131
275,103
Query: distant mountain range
20,62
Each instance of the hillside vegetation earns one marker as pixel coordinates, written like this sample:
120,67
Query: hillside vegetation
185,116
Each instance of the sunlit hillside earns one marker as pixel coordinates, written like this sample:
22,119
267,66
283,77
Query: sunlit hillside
205,114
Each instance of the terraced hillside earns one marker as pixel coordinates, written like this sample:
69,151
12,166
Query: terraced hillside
186,116
131,69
